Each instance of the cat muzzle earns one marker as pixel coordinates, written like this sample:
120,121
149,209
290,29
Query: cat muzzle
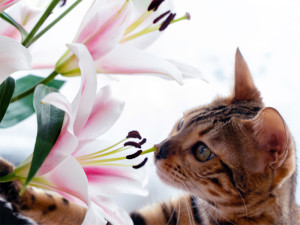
162,150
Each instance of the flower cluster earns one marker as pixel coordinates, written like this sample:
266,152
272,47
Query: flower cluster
68,156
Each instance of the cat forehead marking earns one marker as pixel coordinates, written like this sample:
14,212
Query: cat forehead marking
223,113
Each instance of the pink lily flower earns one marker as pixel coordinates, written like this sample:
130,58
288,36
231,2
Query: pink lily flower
13,57
77,150
25,13
4,4
106,30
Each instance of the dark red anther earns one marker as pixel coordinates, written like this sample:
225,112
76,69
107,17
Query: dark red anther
167,22
134,134
141,164
63,3
132,143
132,156
143,141
154,5
161,16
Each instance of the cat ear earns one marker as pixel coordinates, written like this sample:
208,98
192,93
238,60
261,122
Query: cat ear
244,88
270,138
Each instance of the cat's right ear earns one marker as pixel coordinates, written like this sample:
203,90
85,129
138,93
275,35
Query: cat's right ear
244,88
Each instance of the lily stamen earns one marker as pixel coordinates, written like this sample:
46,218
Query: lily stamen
141,164
100,158
154,27
135,155
153,6
132,143
161,16
167,22
134,134
143,141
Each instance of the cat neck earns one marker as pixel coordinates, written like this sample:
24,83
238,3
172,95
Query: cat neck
275,208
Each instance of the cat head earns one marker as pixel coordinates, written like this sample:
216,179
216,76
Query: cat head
234,146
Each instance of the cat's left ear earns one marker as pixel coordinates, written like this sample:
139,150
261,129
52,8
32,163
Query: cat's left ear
244,88
270,137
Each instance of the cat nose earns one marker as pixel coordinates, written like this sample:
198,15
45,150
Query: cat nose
162,150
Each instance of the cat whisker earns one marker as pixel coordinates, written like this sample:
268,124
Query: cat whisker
245,206
189,210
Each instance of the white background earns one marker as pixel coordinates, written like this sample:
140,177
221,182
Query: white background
267,33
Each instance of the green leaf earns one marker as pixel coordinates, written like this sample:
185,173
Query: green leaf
49,120
23,108
6,92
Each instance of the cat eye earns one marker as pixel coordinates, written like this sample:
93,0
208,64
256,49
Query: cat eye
180,124
202,152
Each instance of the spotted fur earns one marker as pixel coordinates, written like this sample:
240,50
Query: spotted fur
45,208
250,178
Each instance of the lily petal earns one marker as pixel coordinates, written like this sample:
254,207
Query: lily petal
114,214
94,215
188,71
130,60
83,103
104,26
106,111
4,4
68,177
13,57
110,180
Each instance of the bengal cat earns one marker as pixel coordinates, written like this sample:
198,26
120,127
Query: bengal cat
234,157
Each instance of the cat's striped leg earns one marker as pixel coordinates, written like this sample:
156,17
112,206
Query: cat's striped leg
182,211
43,207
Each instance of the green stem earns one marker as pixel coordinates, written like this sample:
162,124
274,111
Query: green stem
31,90
12,22
7,178
36,37
41,21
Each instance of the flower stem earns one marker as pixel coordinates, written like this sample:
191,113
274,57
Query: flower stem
41,21
36,37
31,90
11,21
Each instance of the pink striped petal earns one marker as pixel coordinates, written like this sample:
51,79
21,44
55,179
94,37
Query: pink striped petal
111,180
84,100
69,177
104,26
130,60
13,57
106,111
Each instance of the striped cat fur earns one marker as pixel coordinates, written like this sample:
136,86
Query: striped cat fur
235,158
